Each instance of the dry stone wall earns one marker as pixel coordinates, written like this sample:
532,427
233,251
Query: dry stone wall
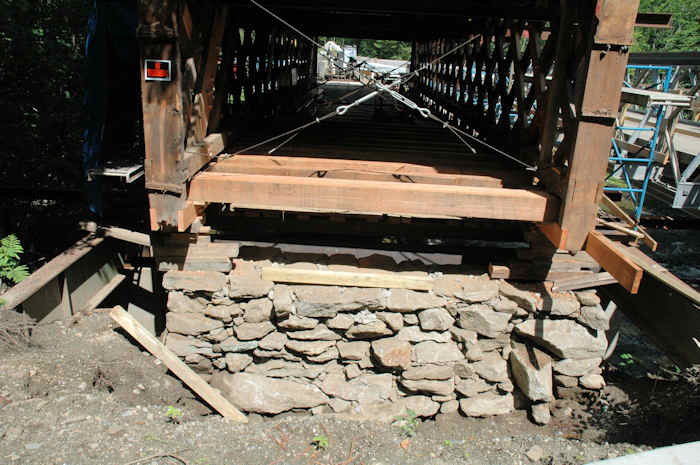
473,344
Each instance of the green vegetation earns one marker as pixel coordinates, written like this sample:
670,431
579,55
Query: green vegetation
10,269
684,34
408,423
173,414
321,442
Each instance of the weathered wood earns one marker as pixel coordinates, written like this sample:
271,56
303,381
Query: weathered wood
187,215
556,235
102,294
620,213
370,197
618,227
583,282
345,278
41,277
177,366
183,253
616,20
614,261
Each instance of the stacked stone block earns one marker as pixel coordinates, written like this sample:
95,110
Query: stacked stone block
472,344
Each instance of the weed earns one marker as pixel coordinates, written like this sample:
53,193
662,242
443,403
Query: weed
446,443
627,359
320,441
408,423
173,414
10,269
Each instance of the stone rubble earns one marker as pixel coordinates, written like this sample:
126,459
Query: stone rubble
475,345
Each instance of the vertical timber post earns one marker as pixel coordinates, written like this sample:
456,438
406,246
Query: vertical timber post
596,100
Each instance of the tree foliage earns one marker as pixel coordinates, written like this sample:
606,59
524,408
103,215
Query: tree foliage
386,49
684,35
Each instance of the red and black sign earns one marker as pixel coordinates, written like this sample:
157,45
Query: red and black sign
158,70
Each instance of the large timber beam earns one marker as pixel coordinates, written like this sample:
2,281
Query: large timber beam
289,193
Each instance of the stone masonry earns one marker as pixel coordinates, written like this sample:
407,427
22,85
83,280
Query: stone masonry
473,344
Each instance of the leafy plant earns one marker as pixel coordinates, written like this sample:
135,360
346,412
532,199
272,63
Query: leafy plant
408,423
320,441
447,443
174,414
627,359
10,268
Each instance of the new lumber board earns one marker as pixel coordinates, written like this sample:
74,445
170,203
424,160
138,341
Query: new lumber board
371,197
585,282
346,278
177,366
614,261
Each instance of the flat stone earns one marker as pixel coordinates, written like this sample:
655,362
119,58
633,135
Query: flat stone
309,347
392,352
340,321
592,381
490,345
190,324
234,345
473,352
483,320
422,406
298,323
245,282
364,317
178,302
368,331
280,354
435,372
282,301
430,386
540,413
566,381
209,281
505,305
261,394
463,335
562,304
273,341
535,453
506,386
364,388
327,356
327,301
473,386
463,369
525,299
353,371
405,300
218,312
577,367
564,338
182,346
595,317
429,352
237,362
435,319
319,333
488,404
450,406
257,310
410,318
249,331
217,335
339,405
476,290
492,368
393,320
532,371
358,350
284,369
588,298
415,334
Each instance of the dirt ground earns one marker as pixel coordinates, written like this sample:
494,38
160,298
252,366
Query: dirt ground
86,394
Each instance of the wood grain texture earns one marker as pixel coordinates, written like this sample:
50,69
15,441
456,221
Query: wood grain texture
177,366
371,197
614,261
346,278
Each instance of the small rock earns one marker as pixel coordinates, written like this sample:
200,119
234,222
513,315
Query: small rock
436,372
592,381
449,407
282,301
488,404
219,312
298,323
524,299
392,352
535,454
566,381
562,304
319,333
565,338
588,298
339,405
393,320
435,319
422,406
368,331
327,356
237,362
463,335
429,352
352,371
245,282
364,317
580,367
257,310
309,347
410,318
341,321
482,319
532,370
273,341
190,324
429,386
178,302
234,345
472,387
415,334
209,281
249,331
492,368
405,301
463,369
540,413
595,317
353,350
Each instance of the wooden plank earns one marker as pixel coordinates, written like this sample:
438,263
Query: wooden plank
370,197
41,277
370,170
187,215
102,294
556,235
620,213
614,261
608,71
583,282
346,278
177,366
617,227
616,20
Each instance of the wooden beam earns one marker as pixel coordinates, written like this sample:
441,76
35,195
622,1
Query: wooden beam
583,282
187,215
371,170
177,366
371,197
614,261
620,213
346,278
556,235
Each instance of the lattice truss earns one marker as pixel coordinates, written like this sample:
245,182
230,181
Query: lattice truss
498,86
268,70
